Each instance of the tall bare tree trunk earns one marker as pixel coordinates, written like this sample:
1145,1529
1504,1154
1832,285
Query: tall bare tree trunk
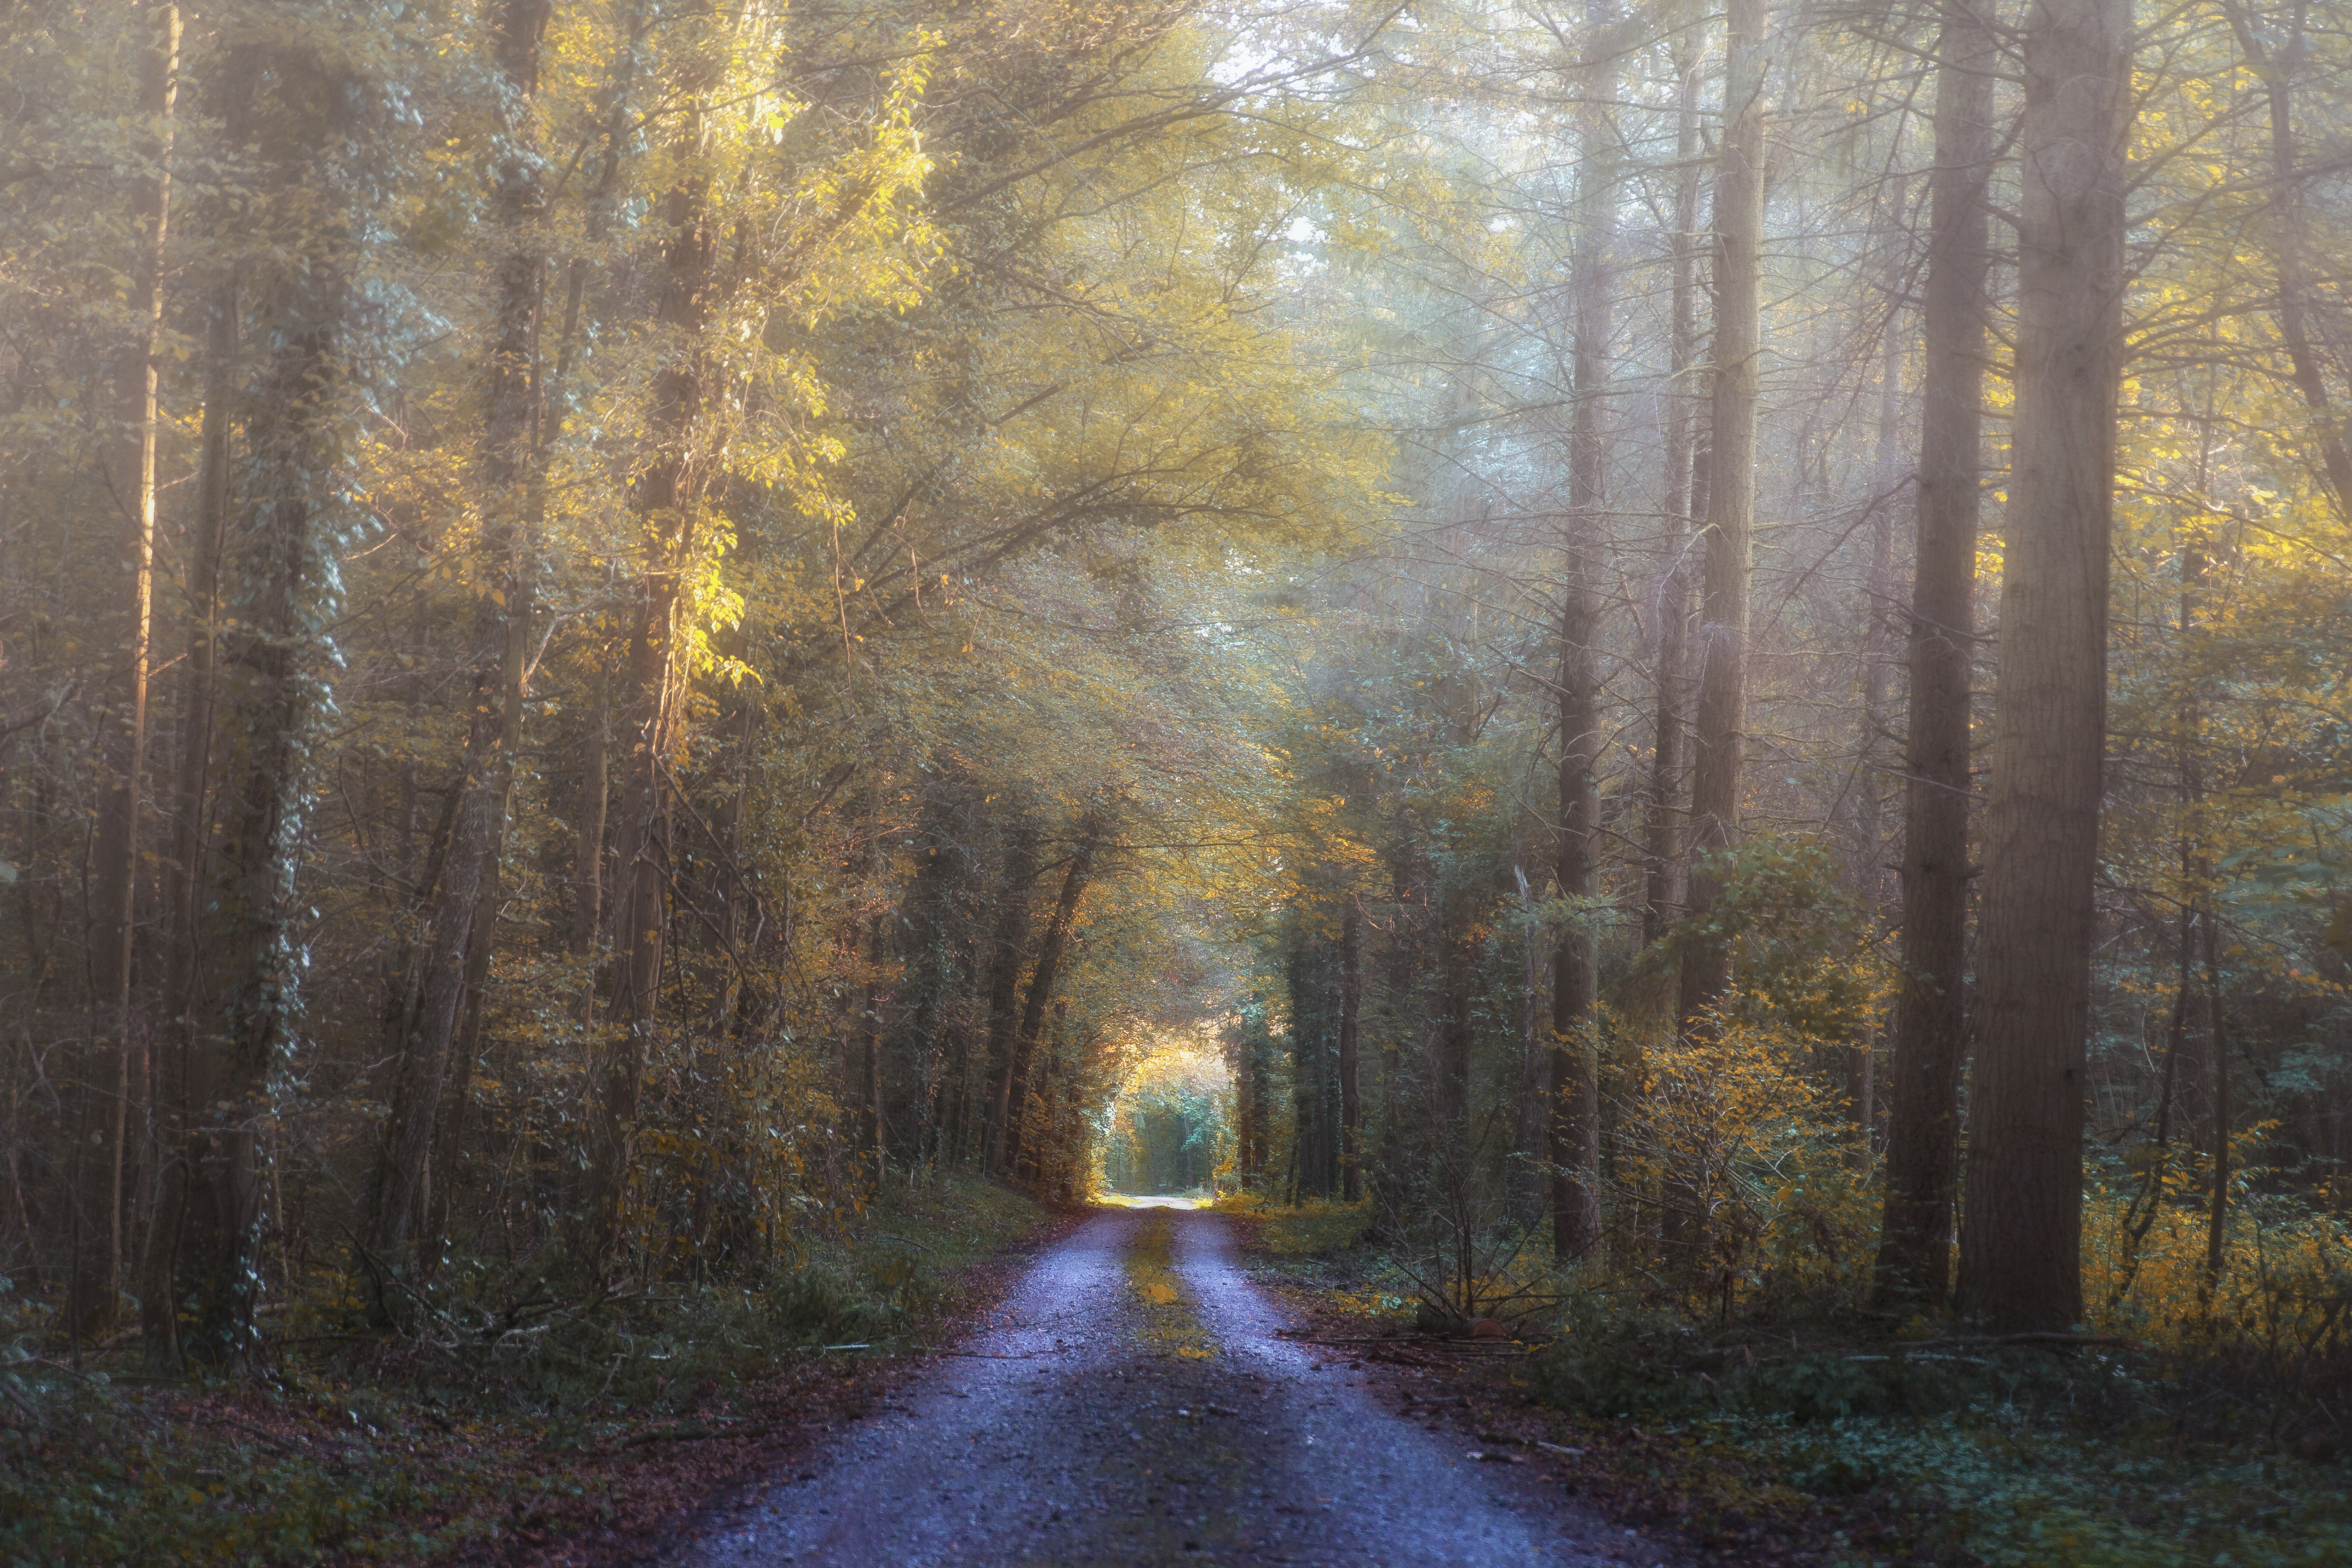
1009,943
1013,1092
2021,1240
1573,1142
184,872
1351,1102
2217,1212
1878,595
2290,240
1672,715
1731,497
97,1286
1913,1262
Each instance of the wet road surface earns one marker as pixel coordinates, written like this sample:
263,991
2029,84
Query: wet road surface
1131,1405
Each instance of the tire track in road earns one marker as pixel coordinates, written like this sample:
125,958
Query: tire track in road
1108,1416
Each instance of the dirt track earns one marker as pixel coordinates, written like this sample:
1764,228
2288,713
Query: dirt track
1131,1404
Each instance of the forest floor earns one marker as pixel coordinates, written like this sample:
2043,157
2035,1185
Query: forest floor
970,1379
1822,1443
582,1448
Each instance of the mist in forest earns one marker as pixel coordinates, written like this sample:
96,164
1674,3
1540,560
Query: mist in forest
1686,655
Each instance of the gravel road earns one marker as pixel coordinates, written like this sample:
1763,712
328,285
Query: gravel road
1131,1405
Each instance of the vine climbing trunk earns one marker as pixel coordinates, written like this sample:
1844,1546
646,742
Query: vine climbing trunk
279,577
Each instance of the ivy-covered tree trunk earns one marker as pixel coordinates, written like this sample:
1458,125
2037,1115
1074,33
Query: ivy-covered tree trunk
287,525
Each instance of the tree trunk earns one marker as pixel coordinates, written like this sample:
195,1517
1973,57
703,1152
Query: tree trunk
667,499
1303,967
1574,1132
1731,499
588,847
2020,1242
1351,1104
184,871
1672,610
400,1196
1913,1262
2290,243
1014,1096
97,1288
1878,593
1010,948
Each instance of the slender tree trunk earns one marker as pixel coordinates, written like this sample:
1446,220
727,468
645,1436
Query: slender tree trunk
588,849
1913,1262
401,1192
1879,592
1574,1134
1352,1105
667,499
1014,1094
1457,979
1303,969
1672,715
1009,950
1731,500
2020,1242
97,1288
184,871
2290,240
2217,1215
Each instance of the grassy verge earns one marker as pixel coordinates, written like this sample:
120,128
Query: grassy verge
1322,1233
539,1432
1169,1325
1818,1442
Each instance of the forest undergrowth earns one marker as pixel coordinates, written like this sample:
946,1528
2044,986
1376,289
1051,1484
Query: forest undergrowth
503,1424
2193,1428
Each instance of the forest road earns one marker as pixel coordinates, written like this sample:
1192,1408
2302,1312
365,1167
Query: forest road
1129,1403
